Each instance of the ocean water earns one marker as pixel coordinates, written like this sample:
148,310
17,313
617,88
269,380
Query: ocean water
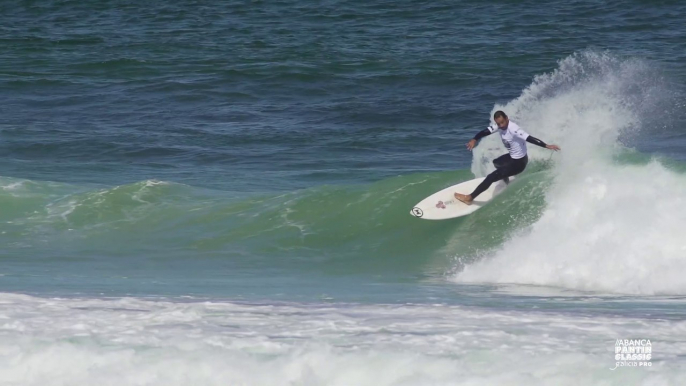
218,192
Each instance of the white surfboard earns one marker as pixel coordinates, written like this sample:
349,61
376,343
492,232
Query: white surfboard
443,205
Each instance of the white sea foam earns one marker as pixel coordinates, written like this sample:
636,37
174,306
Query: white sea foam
145,342
607,226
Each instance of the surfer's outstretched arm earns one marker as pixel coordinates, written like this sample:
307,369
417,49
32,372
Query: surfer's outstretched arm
472,142
538,142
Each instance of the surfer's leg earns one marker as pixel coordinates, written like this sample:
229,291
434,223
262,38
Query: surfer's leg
513,168
503,162
517,166
498,174
505,167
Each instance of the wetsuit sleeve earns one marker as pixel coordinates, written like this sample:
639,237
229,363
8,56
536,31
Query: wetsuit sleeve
535,141
483,133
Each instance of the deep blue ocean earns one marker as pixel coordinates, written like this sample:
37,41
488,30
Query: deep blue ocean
218,193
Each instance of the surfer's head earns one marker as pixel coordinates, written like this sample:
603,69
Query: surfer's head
501,119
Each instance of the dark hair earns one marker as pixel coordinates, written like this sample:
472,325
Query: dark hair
499,114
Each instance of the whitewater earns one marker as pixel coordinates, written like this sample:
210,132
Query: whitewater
611,220
143,342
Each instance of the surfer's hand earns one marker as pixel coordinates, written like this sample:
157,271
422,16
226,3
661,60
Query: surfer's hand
552,147
471,144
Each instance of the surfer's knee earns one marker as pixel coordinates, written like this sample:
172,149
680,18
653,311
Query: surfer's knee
495,176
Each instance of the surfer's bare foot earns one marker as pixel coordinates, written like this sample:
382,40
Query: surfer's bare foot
466,198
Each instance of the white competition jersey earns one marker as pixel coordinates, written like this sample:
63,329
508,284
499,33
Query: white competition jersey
514,139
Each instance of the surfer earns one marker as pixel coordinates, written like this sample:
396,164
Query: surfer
507,165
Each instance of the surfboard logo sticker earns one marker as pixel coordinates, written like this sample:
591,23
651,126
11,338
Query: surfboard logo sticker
417,212
440,205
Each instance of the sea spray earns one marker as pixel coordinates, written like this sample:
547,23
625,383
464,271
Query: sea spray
607,226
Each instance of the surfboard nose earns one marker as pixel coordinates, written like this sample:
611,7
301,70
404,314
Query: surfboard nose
417,212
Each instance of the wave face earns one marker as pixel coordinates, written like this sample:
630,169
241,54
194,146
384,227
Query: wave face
597,216
362,228
612,220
